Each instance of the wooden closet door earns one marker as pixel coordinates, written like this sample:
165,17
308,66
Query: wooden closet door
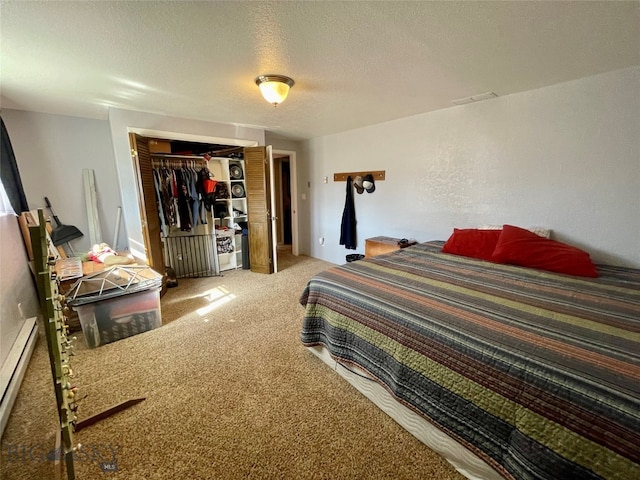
147,202
256,169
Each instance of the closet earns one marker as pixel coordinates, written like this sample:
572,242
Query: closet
199,203
234,230
203,212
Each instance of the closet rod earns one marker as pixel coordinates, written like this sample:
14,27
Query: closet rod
168,156
176,163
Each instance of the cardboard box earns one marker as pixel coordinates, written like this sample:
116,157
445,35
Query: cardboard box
159,146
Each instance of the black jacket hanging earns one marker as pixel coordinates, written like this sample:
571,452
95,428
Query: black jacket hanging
348,229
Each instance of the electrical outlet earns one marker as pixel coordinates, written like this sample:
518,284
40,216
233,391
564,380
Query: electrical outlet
321,241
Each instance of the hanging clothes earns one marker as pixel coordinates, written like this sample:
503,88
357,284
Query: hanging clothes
166,184
174,196
184,207
181,195
195,198
160,203
348,228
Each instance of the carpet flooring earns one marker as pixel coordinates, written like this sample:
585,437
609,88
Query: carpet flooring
230,393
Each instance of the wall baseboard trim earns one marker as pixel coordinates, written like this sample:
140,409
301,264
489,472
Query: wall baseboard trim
14,368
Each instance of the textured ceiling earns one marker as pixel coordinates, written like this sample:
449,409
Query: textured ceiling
354,63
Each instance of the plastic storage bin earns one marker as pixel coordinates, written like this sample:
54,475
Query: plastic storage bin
117,303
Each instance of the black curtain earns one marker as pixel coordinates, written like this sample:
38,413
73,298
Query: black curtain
10,174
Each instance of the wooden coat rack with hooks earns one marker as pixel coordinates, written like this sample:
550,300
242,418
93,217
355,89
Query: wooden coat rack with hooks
378,175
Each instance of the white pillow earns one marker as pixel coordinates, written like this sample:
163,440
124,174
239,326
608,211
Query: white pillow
543,232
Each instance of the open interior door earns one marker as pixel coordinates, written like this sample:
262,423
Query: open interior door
259,193
272,210
147,202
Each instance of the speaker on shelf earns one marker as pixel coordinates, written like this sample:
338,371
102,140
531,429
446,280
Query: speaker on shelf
235,172
237,190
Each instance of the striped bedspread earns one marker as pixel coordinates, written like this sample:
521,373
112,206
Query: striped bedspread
537,373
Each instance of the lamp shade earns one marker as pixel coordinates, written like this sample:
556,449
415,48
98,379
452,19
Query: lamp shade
274,88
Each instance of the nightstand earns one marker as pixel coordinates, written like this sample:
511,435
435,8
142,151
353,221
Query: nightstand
379,245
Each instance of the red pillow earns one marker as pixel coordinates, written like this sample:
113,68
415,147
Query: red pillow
472,242
518,246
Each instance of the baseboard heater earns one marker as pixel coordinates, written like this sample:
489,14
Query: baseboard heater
191,255
14,368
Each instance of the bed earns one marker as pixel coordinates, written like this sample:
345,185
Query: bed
509,372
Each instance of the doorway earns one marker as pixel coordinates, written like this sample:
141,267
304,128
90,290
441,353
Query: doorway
285,183
282,183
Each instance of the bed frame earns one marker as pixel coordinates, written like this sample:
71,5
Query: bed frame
463,460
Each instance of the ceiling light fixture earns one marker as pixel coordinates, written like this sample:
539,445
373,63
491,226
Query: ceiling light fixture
274,88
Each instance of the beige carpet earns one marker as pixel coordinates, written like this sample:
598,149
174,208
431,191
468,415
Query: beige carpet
230,393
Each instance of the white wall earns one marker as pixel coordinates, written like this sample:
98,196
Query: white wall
302,173
51,152
18,297
18,307
123,121
565,157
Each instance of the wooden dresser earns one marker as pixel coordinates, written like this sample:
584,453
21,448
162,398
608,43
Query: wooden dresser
379,245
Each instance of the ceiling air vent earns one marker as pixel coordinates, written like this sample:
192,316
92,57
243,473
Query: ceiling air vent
474,98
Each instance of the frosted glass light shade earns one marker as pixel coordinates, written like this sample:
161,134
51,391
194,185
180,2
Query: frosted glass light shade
274,88
274,92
